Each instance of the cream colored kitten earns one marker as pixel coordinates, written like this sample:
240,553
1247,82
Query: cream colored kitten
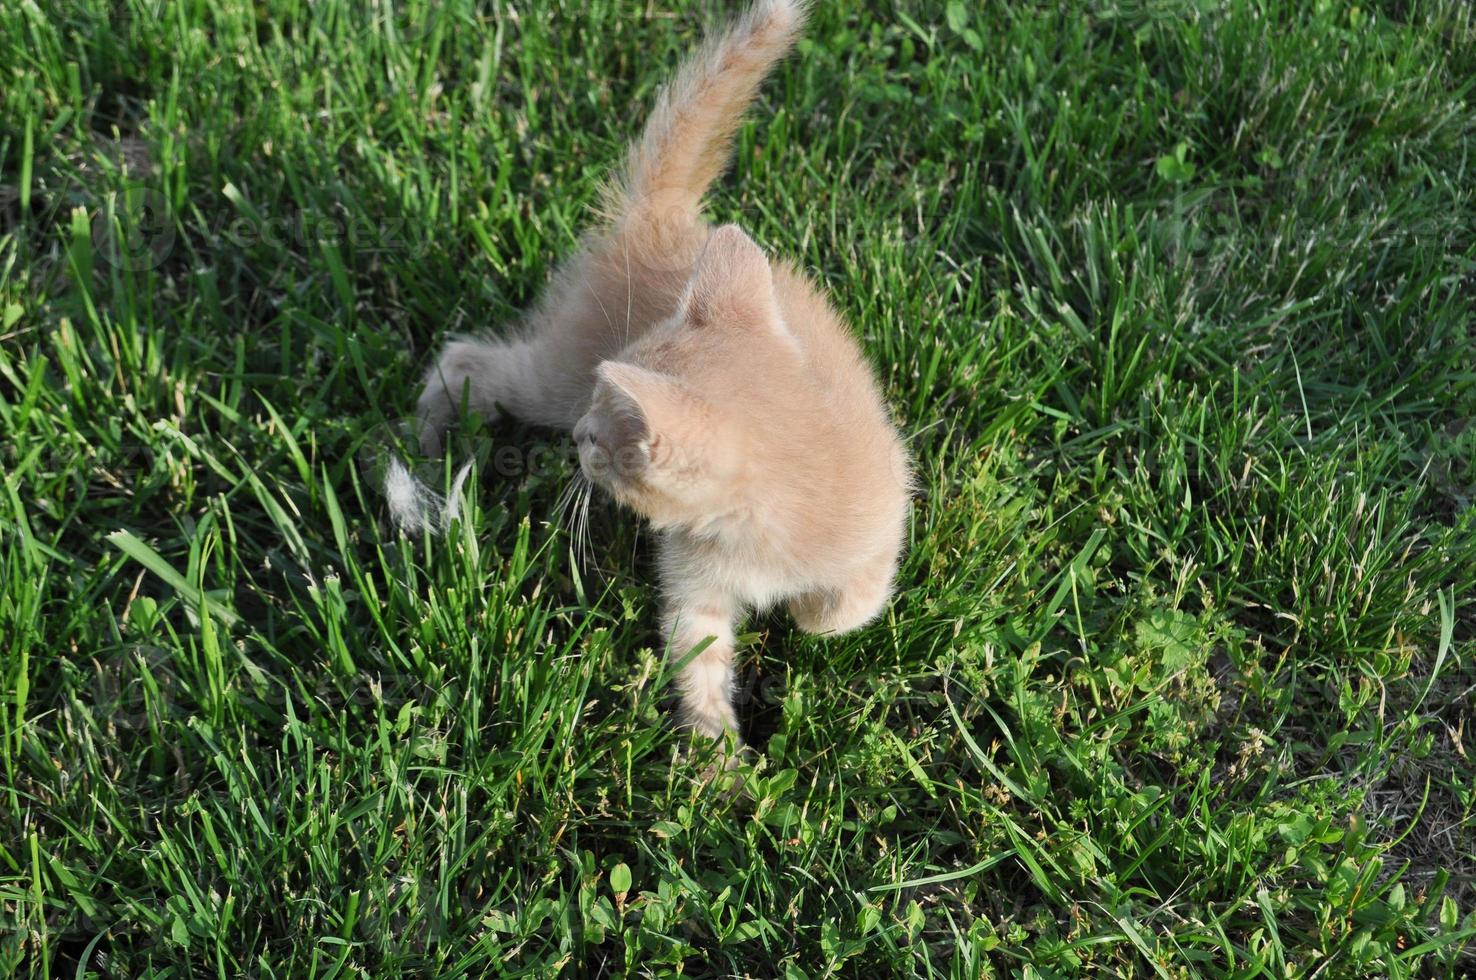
715,393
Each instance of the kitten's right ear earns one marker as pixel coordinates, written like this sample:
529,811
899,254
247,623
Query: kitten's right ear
732,282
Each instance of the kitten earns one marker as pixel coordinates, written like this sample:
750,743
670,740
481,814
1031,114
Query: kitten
714,392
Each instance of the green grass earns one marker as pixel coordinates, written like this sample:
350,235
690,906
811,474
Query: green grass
1176,299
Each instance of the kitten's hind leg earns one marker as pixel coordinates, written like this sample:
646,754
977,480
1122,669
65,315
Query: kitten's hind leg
841,610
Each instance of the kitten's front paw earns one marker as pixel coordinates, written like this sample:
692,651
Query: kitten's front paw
433,413
458,377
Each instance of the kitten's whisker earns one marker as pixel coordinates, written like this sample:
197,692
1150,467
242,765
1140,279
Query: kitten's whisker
589,552
585,549
573,505
561,506
567,518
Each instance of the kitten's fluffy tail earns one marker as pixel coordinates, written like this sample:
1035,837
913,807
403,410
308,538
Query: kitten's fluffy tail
685,145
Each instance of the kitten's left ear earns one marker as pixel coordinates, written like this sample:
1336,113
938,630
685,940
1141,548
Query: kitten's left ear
655,402
733,282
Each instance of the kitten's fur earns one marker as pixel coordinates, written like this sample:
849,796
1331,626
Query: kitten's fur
712,391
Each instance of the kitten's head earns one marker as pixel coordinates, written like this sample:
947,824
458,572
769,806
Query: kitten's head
673,424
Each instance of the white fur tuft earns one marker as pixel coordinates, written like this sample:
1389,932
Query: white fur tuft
415,507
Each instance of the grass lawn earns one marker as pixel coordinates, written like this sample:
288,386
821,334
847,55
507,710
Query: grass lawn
1176,300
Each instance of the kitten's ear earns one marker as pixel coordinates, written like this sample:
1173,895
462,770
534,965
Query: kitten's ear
732,282
655,402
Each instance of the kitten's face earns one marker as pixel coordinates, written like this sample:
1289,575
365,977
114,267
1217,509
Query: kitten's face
670,424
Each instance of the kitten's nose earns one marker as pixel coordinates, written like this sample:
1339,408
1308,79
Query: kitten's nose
584,431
